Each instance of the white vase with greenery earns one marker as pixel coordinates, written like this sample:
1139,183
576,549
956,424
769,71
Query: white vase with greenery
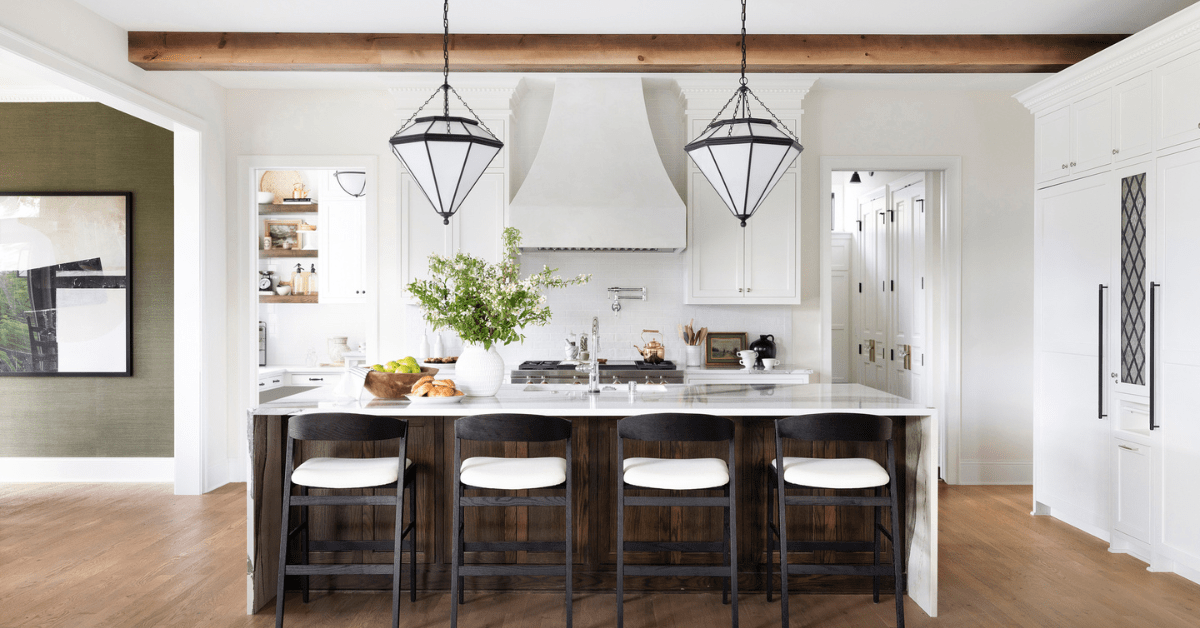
486,305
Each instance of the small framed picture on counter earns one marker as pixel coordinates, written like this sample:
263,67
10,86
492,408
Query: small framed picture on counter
721,348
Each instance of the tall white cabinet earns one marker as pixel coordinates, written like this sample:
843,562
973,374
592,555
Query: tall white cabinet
1117,280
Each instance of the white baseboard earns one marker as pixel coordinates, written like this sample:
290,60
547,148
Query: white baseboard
22,469
977,472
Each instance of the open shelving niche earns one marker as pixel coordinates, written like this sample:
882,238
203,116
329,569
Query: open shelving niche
280,209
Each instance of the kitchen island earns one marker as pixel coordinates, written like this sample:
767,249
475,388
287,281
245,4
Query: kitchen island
753,407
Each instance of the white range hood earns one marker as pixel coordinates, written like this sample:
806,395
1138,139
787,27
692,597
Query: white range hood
597,182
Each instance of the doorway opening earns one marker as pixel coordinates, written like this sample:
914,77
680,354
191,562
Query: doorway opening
890,289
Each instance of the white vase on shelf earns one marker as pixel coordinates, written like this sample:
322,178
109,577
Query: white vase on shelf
479,372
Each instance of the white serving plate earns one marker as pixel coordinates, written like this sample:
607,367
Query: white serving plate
434,401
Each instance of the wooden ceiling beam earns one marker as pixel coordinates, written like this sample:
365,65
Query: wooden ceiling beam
366,52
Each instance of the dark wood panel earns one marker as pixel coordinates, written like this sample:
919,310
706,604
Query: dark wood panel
399,52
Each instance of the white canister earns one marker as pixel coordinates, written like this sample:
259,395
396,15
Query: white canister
694,353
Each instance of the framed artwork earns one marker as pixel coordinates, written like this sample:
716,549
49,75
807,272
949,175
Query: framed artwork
282,232
66,279
721,347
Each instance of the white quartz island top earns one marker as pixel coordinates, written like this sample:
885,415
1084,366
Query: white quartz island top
718,399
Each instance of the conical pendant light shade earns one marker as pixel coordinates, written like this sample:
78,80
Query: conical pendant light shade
854,178
446,156
743,159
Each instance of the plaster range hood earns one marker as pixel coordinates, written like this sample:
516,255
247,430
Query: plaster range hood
597,182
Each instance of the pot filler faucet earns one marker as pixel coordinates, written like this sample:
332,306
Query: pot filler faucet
589,352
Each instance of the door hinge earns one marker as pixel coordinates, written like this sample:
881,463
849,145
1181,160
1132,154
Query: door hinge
922,359
891,215
892,355
860,287
893,284
860,348
859,224
922,283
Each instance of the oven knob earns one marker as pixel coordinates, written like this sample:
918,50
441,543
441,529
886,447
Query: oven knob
663,380
647,379
615,380
543,379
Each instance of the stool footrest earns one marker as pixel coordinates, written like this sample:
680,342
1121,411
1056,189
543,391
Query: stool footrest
646,500
826,500
719,571
515,546
674,546
506,500
350,546
841,570
818,546
343,500
333,570
512,570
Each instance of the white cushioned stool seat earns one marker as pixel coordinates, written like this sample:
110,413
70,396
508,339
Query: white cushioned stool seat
347,472
513,474
834,472
676,474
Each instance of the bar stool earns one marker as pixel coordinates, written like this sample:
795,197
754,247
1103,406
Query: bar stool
838,474
509,474
347,473
683,475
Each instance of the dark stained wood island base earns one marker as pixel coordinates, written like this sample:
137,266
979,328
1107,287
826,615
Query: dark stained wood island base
431,448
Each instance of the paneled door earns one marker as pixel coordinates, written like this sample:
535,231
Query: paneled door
872,296
1176,354
907,324
1073,247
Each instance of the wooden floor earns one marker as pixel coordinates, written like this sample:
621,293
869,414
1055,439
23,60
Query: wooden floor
82,555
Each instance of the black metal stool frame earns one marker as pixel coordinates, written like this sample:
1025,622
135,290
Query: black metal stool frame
832,427
678,427
525,428
332,426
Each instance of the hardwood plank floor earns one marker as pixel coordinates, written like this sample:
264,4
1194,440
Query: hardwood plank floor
83,555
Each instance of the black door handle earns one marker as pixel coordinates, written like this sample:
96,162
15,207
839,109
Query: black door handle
1150,361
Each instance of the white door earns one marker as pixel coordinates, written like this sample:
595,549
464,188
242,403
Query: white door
1178,108
342,237
841,252
1091,132
1052,143
1132,119
771,243
872,283
716,250
1073,231
904,293
1176,368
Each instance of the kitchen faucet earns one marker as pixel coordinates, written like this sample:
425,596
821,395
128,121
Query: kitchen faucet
589,354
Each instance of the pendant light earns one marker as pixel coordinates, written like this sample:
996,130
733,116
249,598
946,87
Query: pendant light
854,178
743,157
445,154
352,182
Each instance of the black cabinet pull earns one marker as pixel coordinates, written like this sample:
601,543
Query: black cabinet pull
1100,356
1150,361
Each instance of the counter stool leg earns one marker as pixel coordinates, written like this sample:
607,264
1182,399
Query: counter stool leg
781,498
283,538
620,538
412,554
398,545
570,543
304,545
725,549
770,563
878,522
731,517
456,551
897,538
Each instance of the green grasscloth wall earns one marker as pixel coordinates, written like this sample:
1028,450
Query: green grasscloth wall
87,146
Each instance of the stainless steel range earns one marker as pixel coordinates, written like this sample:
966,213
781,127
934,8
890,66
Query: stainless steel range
613,372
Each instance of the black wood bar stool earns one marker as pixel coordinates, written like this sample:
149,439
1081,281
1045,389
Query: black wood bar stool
683,475
509,474
833,473
347,473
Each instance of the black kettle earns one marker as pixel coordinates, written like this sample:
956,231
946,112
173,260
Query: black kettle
764,347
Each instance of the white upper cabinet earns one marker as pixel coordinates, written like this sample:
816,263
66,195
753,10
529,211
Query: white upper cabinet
1177,114
771,244
1074,138
342,244
1131,118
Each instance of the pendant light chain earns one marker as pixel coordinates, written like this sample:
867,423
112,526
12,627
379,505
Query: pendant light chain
743,80
446,62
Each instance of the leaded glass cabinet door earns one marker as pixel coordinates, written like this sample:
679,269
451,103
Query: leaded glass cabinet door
1127,364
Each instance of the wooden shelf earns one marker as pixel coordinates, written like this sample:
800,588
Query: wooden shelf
286,253
275,298
281,208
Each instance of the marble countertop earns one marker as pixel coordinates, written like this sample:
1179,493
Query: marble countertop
782,369
720,399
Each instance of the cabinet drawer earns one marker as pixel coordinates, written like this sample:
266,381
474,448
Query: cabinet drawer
1132,506
313,379
274,381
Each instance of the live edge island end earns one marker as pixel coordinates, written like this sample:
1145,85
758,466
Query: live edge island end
753,408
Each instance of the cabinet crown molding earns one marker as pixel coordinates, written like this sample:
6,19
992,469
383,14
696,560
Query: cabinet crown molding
1139,50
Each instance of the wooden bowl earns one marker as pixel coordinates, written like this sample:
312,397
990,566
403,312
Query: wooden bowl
394,385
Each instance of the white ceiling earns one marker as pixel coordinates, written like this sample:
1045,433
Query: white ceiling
642,16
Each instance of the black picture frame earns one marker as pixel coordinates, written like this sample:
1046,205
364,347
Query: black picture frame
721,347
93,228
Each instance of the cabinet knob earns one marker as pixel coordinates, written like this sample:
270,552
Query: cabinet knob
1065,166
747,290
1072,164
739,289
1115,151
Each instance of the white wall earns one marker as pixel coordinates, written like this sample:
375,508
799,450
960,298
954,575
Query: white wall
90,52
994,136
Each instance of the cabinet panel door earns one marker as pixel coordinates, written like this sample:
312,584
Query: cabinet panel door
1178,113
771,243
424,233
1177,350
1132,120
342,239
715,244
1075,224
1131,507
480,219
1091,132
1052,139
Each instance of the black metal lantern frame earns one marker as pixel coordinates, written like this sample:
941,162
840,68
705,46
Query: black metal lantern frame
743,156
446,155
